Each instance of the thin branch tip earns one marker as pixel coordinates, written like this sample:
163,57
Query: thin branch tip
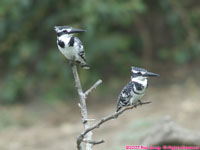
93,87
93,142
90,119
79,105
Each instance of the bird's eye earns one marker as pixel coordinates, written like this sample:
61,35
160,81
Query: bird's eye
139,73
65,31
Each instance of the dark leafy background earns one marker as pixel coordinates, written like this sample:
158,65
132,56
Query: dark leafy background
119,34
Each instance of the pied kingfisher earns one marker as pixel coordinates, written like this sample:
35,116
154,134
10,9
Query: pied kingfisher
71,47
132,93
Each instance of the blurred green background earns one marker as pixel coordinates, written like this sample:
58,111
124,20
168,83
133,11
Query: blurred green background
38,98
119,34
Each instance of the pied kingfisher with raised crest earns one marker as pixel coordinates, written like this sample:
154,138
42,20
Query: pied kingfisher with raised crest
71,47
132,93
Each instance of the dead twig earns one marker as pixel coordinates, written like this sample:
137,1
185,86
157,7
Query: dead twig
93,87
94,142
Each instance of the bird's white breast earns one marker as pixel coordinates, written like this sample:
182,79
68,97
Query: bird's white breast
136,97
69,52
138,93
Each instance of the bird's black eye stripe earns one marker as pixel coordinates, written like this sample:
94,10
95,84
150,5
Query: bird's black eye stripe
62,32
139,73
59,33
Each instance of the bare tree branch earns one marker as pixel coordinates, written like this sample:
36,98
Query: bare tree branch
94,142
83,108
105,119
90,119
93,87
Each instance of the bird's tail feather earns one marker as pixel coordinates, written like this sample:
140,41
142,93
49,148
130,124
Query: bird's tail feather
85,66
118,108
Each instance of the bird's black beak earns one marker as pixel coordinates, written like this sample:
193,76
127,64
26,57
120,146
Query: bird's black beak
151,74
76,31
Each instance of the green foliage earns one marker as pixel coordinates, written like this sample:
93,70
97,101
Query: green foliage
32,66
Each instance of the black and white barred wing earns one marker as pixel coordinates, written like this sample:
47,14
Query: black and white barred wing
81,53
81,48
125,96
78,42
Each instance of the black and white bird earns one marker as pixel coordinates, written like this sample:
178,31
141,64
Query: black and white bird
132,93
71,47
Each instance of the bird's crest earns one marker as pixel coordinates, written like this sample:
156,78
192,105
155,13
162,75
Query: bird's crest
137,69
